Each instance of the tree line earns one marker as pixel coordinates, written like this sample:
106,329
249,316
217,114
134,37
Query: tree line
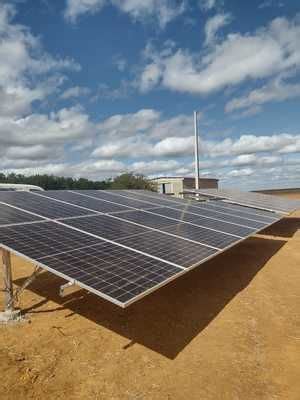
51,182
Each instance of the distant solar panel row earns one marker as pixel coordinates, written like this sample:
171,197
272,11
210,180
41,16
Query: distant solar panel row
228,209
204,211
120,245
250,199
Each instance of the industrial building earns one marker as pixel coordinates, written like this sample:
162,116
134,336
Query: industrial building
175,185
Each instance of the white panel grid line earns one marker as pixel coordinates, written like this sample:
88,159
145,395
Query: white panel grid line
70,251
220,205
198,264
154,229
196,206
184,252
132,209
173,208
21,223
52,239
100,237
191,223
167,233
250,199
118,244
250,211
85,247
189,214
70,204
92,290
94,276
31,202
201,209
28,212
92,196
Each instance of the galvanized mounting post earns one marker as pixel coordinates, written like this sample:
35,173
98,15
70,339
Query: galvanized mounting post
8,284
10,313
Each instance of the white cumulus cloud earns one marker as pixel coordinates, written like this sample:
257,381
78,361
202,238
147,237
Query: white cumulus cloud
270,50
213,25
162,10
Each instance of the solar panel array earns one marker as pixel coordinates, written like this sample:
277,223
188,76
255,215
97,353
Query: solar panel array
121,245
251,199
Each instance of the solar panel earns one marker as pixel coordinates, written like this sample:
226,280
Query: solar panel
9,215
204,210
110,271
119,230
169,248
256,200
104,195
162,200
120,275
39,205
125,255
105,226
254,212
198,234
204,221
83,201
43,238
230,209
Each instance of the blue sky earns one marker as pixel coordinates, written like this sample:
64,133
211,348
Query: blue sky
94,88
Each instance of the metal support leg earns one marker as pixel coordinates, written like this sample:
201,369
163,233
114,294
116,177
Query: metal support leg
10,313
8,284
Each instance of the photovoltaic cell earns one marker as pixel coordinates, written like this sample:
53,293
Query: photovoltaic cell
148,219
160,200
169,248
204,221
257,200
40,205
228,209
121,231
208,205
201,235
9,215
43,238
231,213
186,231
113,271
256,213
83,201
202,209
102,194
105,268
221,216
105,226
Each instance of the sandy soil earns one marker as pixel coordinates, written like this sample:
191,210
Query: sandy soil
228,330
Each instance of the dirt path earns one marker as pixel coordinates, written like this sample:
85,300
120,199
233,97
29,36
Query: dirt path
229,330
